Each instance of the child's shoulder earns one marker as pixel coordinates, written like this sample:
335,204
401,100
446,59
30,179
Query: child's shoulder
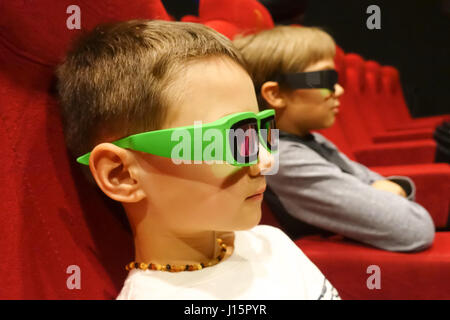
275,236
269,231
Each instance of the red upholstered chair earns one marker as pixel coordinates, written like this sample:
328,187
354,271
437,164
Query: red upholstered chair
224,27
249,16
339,62
373,98
396,113
190,18
417,275
51,217
357,134
232,17
421,275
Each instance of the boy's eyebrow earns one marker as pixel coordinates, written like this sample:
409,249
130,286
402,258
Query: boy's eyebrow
229,113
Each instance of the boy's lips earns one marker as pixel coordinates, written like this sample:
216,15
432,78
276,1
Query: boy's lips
258,193
335,108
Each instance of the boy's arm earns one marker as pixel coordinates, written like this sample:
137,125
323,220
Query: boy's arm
370,177
319,193
407,186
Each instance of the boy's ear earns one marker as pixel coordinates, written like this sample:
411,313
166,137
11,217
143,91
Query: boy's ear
114,170
271,93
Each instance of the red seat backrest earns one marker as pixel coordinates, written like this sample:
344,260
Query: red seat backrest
249,16
226,28
391,90
350,118
373,98
51,217
339,61
395,110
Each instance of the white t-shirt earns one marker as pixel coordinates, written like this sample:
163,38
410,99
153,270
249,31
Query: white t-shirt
265,264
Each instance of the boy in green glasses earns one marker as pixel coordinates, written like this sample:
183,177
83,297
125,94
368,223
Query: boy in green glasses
317,188
166,117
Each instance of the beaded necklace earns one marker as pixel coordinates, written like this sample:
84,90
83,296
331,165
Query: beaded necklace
175,268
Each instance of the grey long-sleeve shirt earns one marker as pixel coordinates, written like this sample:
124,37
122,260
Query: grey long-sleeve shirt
309,194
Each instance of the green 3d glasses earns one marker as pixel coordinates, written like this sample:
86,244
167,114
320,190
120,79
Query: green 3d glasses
233,139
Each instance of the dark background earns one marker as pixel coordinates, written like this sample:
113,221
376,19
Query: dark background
414,37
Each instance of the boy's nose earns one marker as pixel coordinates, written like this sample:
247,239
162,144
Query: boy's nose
338,90
265,162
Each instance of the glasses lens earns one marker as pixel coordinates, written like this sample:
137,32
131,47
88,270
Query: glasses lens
250,144
267,127
244,141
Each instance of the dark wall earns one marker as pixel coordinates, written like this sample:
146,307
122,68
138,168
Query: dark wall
180,8
414,37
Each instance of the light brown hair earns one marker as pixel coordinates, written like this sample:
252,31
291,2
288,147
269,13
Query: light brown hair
116,80
283,49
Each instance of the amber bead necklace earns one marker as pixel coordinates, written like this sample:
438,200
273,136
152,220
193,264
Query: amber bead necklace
178,268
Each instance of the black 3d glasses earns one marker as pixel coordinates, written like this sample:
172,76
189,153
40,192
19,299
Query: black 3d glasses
324,79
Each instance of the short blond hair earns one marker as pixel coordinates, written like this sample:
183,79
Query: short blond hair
116,80
283,49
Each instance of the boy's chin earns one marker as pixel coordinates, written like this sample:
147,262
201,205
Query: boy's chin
251,220
329,122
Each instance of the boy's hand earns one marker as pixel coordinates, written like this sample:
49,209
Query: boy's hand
389,186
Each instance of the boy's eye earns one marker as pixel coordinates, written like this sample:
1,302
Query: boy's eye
244,141
249,143
267,126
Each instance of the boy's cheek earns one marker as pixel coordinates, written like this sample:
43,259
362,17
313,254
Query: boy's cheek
223,171
214,174
325,93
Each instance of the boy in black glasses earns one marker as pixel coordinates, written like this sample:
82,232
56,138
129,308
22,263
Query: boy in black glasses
317,188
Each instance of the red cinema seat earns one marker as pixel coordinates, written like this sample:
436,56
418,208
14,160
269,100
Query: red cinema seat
339,62
232,17
349,267
226,28
373,98
356,132
190,18
249,16
396,113
52,218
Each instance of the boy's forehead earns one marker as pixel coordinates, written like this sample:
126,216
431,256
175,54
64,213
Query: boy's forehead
321,65
209,89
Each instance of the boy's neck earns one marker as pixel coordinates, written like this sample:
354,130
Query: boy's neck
285,124
296,131
156,244
174,249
